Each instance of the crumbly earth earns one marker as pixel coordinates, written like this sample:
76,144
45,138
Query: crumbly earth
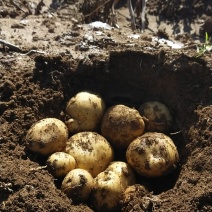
48,53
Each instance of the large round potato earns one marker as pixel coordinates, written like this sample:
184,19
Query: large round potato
152,154
107,192
121,125
91,151
156,115
77,185
84,111
47,136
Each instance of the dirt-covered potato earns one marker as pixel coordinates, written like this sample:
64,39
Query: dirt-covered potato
108,188
60,163
124,171
107,192
91,151
77,185
121,125
152,154
156,115
47,136
85,111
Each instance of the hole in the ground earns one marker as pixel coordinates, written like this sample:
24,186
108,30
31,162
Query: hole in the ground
130,78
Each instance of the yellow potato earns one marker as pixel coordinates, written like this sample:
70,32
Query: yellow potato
77,185
47,136
124,171
107,192
121,125
85,111
152,154
60,163
91,151
156,115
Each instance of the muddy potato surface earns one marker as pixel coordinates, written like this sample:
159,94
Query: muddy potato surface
152,154
157,116
77,185
91,151
124,171
121,125
107,192
60,163
47,136
84,111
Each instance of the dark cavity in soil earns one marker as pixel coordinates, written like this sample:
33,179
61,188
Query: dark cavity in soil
130,78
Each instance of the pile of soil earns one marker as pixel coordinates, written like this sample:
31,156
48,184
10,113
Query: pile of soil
48,53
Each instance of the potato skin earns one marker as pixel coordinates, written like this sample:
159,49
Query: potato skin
124,171
107,192
157,116
111,184
152,154
121,125
47,136
85,111
91,151
60,163
78,185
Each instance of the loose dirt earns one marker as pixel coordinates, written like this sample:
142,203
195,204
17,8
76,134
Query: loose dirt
53,53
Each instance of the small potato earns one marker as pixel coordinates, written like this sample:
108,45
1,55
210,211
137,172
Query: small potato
152,154
77,185
47,136
156,115
107,192
91,151
124,171
85,111
60,163
121,125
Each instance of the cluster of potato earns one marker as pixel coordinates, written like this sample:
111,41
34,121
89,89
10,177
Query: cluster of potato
86,159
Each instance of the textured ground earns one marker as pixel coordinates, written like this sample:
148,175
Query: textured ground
55,54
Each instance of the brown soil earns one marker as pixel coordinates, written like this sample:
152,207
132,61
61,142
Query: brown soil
65,60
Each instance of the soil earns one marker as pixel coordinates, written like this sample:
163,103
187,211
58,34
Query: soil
54,54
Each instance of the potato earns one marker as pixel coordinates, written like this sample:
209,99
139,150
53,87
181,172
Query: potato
91,151
156,115
107,192
60,163
47,136
85,111
108,188
121,125
152,154
77,185
124,171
